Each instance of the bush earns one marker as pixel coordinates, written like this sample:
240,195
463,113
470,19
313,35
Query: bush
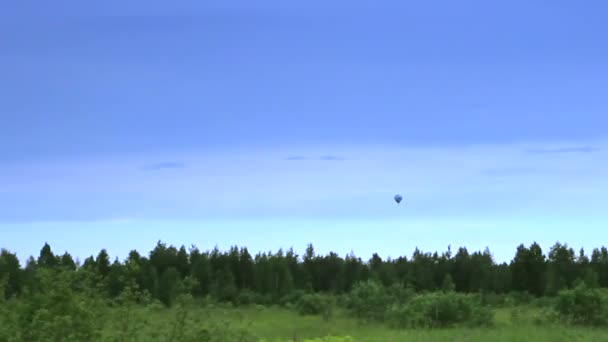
248,297
398,294
368,301
328,339
582,305
518,298
492,299
59,314
316,304
439,310
543,302
332,339
292,298
8,319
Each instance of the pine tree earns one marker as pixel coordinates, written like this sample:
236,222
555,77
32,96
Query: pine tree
246,270
448,284
11,273
47,258
102,263
183,262
169,286
117,279
201,272
67,262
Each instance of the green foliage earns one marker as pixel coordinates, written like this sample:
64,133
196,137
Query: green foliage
127,320
8,318
327,339
292,298
492,299
59,313
518,298
248,297
53,298
368,301
448,283
582,305
316,304
440,310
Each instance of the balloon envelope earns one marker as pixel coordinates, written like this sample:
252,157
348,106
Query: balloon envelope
398,198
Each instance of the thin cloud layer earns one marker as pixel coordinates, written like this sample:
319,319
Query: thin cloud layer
563,150
323,158
164,165
500,172
479,181
331,158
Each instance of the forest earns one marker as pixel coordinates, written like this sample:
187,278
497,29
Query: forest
54,297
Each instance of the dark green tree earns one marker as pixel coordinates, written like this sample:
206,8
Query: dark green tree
10,271
117,279
201,272
47,258
561,268
246,270
448,284
182,260
102,263
67,262
169,286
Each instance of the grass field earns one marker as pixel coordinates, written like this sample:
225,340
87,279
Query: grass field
277,324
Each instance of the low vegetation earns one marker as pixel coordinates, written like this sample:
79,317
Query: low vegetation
174,295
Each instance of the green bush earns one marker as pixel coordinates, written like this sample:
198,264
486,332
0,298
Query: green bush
316,304
439,310
518,298
582,305
8,320
543,302
368,301
493,299
328,339
292,298
248,297
59,313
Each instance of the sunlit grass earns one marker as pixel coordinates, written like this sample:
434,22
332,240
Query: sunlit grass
278,324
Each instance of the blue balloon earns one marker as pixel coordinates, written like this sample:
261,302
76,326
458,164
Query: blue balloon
398,198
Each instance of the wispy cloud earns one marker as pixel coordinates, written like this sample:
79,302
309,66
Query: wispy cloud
562,150
164,165
324,158
499,172
331,158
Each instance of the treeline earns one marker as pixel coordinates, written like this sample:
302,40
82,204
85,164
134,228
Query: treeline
238,276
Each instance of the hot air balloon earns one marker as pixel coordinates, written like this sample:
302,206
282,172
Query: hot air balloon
398,198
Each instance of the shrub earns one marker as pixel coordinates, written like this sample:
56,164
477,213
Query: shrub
582,305
315,304
368,301
155,305
248,297
327,339
292,298
543,302
399,294
492,299
439,310
518,298
8,320
59,314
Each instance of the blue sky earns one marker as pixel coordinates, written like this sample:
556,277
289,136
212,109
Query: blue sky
273,124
